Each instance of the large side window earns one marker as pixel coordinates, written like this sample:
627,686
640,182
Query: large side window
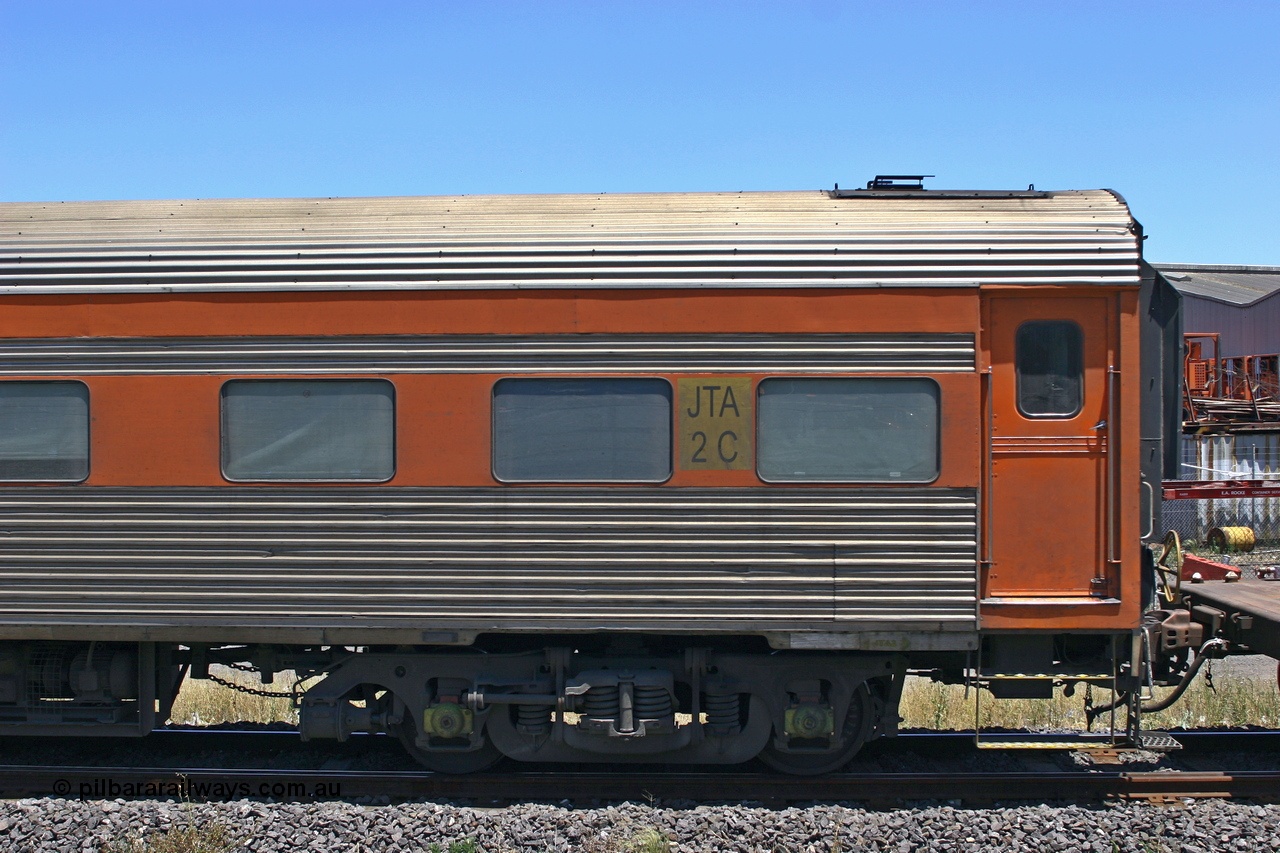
847,430
1050,368
44,432
582,430
304,429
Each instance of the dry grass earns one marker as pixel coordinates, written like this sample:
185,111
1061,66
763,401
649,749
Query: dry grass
648,840
628,840
1237,701
186,835
466,845
213,838
629,835
207,703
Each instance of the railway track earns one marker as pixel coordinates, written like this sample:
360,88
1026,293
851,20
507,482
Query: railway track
532,783
925,743
928,743
884,789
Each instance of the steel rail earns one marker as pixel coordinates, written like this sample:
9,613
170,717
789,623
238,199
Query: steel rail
924,743
178,741
517,783
879,789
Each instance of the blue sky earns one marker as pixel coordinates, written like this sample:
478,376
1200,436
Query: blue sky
1174,104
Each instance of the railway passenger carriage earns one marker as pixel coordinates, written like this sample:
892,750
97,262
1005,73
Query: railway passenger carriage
670,477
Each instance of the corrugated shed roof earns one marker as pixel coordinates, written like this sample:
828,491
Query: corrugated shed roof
776,239
1234,285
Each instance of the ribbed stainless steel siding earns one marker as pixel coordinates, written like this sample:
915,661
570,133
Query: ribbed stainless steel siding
696,560
795,239
492,353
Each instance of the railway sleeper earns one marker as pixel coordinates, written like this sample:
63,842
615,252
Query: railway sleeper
461,712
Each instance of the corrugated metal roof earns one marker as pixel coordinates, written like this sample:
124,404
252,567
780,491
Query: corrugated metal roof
779,239
1235,285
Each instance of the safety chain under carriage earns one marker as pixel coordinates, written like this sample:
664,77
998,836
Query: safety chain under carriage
292,695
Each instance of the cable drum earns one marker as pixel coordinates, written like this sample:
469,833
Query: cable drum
1232,539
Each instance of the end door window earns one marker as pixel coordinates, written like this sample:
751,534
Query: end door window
1050,367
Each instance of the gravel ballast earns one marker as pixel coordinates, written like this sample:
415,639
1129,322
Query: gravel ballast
73,825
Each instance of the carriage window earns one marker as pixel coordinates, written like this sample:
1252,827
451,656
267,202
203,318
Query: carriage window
1050,369
326,429
847,430
582,430
44,432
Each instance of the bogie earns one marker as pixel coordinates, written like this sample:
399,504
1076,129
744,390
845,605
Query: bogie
461,713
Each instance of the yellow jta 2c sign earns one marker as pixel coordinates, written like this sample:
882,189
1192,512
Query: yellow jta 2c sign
716,423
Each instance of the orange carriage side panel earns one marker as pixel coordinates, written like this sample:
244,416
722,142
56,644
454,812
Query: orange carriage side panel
961,422
154,430
491,312
452,432
442,430
164,431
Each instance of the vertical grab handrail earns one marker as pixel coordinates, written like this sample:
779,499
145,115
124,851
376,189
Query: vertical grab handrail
1151,509
987,549
1113,376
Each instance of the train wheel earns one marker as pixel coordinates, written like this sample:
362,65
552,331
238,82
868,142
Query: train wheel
857,726
445,761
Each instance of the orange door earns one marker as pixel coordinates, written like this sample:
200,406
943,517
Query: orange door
1048,498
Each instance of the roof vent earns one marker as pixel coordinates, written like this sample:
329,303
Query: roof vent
912,186
897,182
